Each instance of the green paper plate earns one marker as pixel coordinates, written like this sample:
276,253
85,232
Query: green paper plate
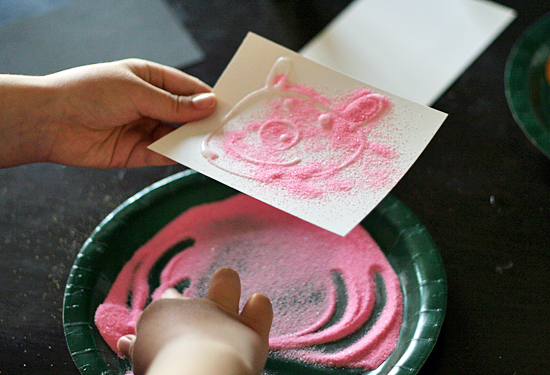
405,242
526,87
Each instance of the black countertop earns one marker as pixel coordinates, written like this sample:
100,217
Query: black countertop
481,189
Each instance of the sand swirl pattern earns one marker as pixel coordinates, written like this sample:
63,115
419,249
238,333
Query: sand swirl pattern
337,301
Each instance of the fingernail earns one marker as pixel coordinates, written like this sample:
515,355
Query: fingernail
170,293
125,343
204,101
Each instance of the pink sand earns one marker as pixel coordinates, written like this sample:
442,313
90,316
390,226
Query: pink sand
289,260
306,142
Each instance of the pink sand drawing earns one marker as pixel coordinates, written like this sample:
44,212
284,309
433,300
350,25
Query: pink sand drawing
292,135
337,301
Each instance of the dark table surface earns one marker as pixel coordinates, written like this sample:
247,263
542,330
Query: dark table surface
481,189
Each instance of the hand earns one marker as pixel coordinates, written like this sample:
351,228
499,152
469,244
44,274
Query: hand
190,336
102,115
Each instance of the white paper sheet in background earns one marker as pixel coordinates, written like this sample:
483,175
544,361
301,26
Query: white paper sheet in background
83,32
407,129
414,49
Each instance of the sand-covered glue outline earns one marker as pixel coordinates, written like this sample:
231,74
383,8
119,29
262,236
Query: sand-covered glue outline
274,87
283,65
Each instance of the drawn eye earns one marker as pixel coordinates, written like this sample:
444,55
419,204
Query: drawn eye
278,134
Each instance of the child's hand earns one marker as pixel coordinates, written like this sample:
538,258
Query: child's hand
101,115
111,112
177,335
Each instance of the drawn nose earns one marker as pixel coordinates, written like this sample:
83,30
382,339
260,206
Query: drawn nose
278,134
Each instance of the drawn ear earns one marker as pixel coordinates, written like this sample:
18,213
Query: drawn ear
366,108
283,65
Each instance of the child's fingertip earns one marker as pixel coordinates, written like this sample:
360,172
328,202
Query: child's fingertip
171,293
258,314
124,345
204,101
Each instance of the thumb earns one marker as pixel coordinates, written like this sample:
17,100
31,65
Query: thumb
162,105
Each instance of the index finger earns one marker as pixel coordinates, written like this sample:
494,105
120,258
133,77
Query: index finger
167,78
225,290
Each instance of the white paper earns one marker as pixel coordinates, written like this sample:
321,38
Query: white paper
414,49
406,128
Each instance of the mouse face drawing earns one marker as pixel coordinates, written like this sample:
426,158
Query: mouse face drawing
288,132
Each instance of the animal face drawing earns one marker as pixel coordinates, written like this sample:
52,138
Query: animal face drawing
290,133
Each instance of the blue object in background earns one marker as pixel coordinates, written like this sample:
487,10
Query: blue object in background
15,10
81,32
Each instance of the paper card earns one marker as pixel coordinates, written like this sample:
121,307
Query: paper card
303,138
414,49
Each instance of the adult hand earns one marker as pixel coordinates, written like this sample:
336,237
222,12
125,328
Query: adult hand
102,115
191,336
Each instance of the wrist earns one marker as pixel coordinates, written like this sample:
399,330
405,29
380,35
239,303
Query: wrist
198,356
26,119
